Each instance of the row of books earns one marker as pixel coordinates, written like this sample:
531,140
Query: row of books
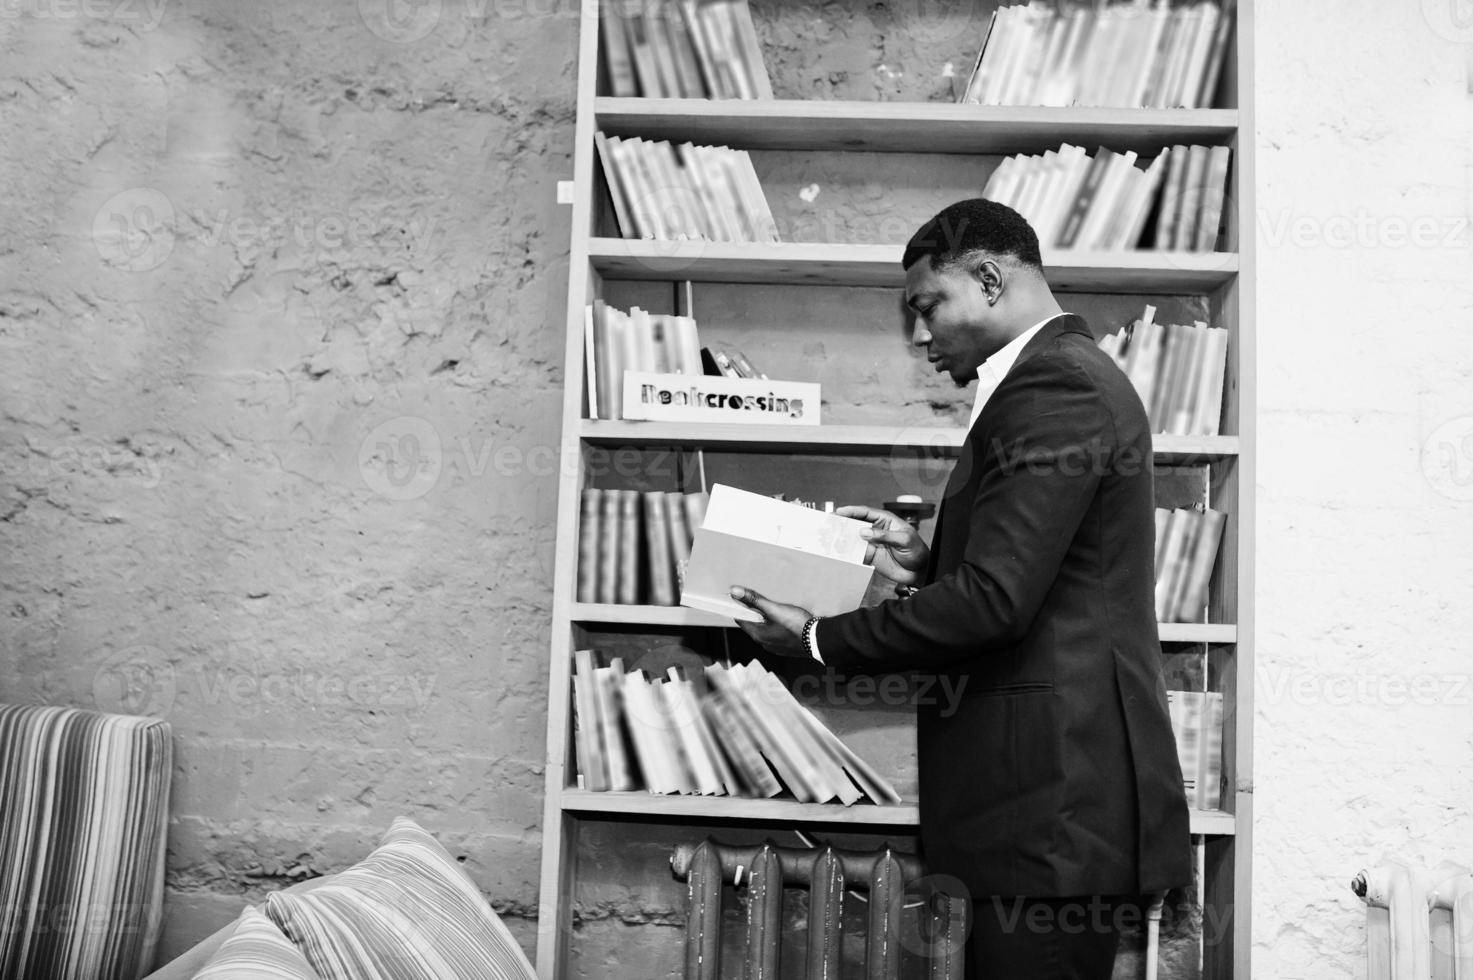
690,192
741,733
1105,201
615,341
1186,553
683,49
1132,54
1196,721
632,544
1177,369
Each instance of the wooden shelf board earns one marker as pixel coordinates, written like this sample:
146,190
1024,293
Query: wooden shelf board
1199,633
595,612
861,815
909,127
827,264
849,439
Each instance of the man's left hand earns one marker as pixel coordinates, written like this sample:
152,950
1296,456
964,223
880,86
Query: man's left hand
782,633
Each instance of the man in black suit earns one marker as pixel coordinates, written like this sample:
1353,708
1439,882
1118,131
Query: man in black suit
1051,788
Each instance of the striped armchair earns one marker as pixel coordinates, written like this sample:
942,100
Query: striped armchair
83,816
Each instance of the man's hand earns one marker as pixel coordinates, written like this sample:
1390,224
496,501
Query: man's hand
782,633
895,548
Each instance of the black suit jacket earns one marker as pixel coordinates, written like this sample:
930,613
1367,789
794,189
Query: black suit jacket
1055,773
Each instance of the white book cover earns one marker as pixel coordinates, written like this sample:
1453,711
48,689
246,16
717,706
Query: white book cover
787,552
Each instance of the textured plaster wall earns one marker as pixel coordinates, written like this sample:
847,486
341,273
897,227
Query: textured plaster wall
278,281
1364,717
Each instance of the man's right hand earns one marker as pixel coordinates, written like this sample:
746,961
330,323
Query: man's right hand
895,548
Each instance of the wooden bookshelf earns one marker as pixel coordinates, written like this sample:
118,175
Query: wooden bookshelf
778,811
816,264
851,439
907,127
597,264
680,616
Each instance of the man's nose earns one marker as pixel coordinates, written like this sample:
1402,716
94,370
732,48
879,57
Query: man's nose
922,336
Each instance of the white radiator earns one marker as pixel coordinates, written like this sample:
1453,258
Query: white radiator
1419,923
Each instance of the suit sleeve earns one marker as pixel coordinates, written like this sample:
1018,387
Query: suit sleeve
1048,444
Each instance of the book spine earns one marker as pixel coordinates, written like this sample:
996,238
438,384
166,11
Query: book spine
1169,216
589,534
1181,565
1209,753
1208,416
657,541
629,572
1200,566
608,548
617,63
609,689
1191,197
1085,199
680,535
1214,193
589,734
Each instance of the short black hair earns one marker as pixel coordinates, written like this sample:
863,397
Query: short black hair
970,226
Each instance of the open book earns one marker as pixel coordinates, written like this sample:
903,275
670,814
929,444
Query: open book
787,552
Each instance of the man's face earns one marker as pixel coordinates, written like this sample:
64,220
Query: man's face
955,324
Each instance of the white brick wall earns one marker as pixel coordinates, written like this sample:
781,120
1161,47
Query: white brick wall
1365,538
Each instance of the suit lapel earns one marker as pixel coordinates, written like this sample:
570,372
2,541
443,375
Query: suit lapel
946,537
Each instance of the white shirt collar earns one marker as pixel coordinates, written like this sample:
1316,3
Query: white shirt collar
991,372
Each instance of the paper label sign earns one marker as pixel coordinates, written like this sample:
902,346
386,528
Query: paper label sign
704,398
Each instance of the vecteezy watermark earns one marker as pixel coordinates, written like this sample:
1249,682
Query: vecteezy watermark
1451,20
134,229
137,680
94,460
401,459
317,230
406,457
141,15
141,680
1339,689
246,688
1361,229
400,21
1447,458
861,691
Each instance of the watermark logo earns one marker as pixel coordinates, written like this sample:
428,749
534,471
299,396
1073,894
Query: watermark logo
1451,20
924,457
142,15
400,21
134,230
1447,459
137,680
401,459
929,23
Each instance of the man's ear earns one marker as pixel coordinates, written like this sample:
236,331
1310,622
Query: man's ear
988,275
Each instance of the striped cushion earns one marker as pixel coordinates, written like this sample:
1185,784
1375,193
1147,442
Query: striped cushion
83,811
257,949
406,912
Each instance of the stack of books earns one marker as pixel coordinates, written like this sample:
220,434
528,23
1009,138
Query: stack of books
1196,721
683,49
743,735
696,192
1105,201
616,341
1177,369
632,545
1186,553
1131,55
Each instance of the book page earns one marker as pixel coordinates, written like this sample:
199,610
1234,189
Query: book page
751,515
